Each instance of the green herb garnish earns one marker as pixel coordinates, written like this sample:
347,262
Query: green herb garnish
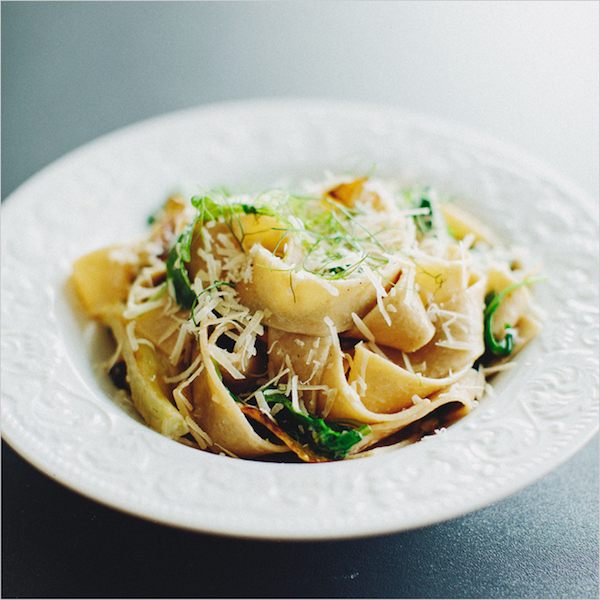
505,346
430,220
176,269
425,221
330,438
335,242
209,210
180,253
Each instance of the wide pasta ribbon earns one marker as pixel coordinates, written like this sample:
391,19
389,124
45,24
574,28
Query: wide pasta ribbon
297,301
337,399
220,416
400,322
382,383
463,393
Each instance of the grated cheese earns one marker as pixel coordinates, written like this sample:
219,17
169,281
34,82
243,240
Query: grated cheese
191,372
183,404
316,368
262,403
362,378
224,361
309,356
380,292
203,439
499,368
294,394
253,328
410,285
178,348
130,331
454,345
418,400
136,310
328,286
360,325
407,363
332,332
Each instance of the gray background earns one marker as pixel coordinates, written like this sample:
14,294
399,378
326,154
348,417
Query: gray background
524,72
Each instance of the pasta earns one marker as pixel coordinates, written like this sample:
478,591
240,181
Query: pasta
347,320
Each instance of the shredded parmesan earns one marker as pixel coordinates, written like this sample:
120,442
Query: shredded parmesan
136,310
418,400
333,332
508,366
130,330
294,393
329,287
224,361
407,363
183,404
410,285
381,293
177,349
262,403
360,325
309,356
362,377
191,372
203,439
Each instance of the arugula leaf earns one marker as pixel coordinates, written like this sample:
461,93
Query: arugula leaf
176,270
431,222
208,210
425,222
330,438
505,346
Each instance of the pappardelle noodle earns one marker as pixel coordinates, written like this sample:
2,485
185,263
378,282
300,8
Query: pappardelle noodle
349,319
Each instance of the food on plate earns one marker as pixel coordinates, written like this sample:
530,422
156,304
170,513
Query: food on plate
351,318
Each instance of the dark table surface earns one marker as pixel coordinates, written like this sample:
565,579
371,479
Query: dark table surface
76,70
539,543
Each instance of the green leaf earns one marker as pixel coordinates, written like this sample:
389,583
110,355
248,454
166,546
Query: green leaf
505,346
431,222
209,210
176,269
425,222
177,273
180,253
330,438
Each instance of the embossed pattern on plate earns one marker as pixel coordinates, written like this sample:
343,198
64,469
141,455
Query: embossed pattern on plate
63,416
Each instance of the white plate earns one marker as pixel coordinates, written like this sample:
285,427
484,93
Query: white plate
63,417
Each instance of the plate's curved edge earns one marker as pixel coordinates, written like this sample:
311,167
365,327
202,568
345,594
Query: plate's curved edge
239,106
291,534
265,104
